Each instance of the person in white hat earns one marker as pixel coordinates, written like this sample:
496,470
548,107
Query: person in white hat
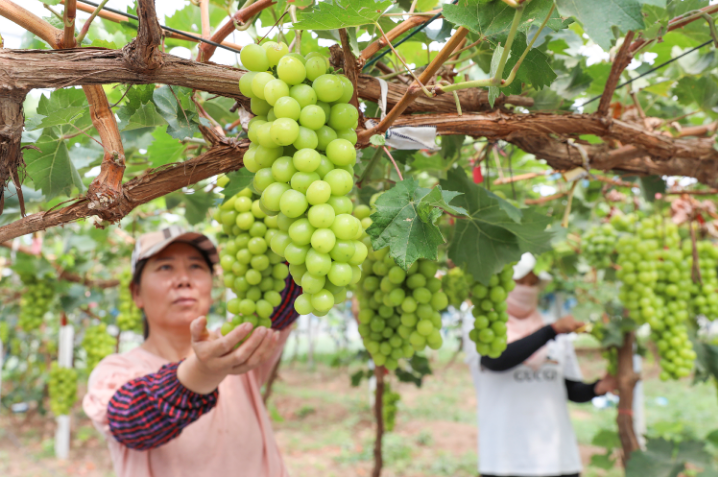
187,402
523,394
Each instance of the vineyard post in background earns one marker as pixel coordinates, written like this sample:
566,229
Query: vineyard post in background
64,360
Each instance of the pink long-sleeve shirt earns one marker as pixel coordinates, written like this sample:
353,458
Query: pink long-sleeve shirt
233,438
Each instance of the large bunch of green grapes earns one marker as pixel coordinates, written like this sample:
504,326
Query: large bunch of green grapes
98,344
704,293
34,303
598,244
638,261
489,311
302,153
457,286
390,401
399,311
62,388
130,317
254,272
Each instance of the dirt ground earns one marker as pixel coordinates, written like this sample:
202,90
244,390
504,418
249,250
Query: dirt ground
323,425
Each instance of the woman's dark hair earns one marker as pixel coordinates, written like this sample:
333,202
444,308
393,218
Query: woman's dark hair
137,278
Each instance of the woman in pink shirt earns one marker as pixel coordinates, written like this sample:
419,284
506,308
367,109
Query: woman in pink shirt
186,402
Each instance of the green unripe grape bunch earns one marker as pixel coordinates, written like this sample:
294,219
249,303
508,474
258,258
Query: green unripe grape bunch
390,401
98,344
302,154
130,317
399,311
457,286
62,387
598,244
254,272
35,302
489,312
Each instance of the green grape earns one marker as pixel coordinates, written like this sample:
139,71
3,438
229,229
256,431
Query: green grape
312,117
130,317
291,70
97,344
303,94
286,107
457,286
34,302
254,58
316,66
62,388
341,152
343,116
329,88
275,51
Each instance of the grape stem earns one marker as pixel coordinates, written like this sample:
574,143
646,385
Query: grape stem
401,178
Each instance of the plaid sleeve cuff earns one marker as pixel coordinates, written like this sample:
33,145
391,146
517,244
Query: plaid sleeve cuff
149,411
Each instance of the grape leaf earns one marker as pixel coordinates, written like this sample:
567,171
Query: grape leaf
340,14
405,218
56,118
494,19
50,168
490,238
598,18
534,70
701,91
238,180
663,458
197,204
164,149
179,115
146,116
61,99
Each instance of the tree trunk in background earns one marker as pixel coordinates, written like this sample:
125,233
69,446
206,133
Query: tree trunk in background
627,379
379,416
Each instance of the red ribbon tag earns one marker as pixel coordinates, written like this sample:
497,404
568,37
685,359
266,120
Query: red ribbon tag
478,177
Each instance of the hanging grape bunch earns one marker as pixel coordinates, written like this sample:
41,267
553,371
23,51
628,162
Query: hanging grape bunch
705,293
390,401
490,316
62,388
97,344
251,270
130,317
302,153
598,244
457,286
638,263
34,303
399,311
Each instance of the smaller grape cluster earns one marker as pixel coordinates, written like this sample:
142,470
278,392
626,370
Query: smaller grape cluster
34,303
489,311
62,387
98,344
399,311
390,402
598,244
253,272
457,286
638,261
705,293
130,317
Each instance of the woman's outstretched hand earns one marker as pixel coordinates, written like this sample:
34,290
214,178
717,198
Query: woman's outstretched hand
567,324
607,384
215,355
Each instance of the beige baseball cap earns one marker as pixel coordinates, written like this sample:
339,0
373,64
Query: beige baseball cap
151,243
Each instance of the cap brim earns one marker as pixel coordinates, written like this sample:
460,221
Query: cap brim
197,240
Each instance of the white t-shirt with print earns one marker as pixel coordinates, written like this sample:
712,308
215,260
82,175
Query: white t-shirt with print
524,424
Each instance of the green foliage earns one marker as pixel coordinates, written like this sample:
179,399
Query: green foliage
489,238
341,14
599,18
664,458
405,221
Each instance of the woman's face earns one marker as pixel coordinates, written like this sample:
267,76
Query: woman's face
175,287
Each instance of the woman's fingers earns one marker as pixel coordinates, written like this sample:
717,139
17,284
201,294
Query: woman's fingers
198,329
252,352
